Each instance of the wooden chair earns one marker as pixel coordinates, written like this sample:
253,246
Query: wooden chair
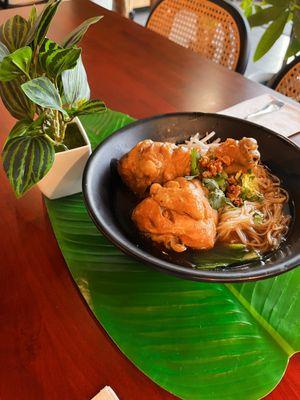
214,28
287,80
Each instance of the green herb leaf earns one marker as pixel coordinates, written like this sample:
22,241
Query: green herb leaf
43,93
40,28
26,160
75,84
211,184
15,100
190,177
217,199
3,51
56,60
258,217
195,157
89,107
14,33
271,34
265,15
75,36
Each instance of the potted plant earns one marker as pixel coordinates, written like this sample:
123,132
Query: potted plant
275,14
43,84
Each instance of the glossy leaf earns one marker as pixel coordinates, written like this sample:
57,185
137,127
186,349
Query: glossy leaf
74,37
56,60
247,6
3,51
15,100
294,48
196,340
26,160
43,93
75,84
296,24
14,33
40,28
278,3
265,15
271,34
15,64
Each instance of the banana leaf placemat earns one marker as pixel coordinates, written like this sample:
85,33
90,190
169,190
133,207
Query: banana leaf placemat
196,340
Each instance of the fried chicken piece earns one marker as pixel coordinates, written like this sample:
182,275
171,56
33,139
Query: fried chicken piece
149,162
178,215
237,155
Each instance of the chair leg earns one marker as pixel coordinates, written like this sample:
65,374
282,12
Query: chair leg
121,7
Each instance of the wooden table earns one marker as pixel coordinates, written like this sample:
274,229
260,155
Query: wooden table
51,346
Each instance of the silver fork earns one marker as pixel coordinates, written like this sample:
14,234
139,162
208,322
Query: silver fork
272,106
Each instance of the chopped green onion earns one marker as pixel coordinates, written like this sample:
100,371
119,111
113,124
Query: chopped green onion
195,157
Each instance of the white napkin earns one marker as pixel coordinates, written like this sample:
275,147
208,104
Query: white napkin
106,394
285,121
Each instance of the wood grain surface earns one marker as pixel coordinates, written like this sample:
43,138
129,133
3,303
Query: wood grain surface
51,346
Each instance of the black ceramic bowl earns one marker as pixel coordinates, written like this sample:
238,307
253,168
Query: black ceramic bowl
109,202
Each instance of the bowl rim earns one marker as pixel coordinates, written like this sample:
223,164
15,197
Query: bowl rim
218,276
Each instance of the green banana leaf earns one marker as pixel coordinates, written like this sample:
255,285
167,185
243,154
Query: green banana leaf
196,340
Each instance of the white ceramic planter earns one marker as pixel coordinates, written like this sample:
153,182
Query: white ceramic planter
65,175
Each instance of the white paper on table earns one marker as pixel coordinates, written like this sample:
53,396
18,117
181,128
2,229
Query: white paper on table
285,121
106,394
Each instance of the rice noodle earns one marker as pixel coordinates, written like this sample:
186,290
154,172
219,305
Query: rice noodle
239,225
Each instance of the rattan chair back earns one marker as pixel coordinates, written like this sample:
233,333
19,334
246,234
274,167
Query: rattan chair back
287,81
214,28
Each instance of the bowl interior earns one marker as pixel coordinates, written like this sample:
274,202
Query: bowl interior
110,203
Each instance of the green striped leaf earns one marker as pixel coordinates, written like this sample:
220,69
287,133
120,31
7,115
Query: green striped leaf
75,36
43,93
15,64
48,45
14,33
26,126
32,17
55,61
26,160
19,129
271,34
3,51
40,28
75,84
89,107
15,100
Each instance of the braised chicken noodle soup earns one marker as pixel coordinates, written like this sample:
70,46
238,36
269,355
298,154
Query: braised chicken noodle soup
205,193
